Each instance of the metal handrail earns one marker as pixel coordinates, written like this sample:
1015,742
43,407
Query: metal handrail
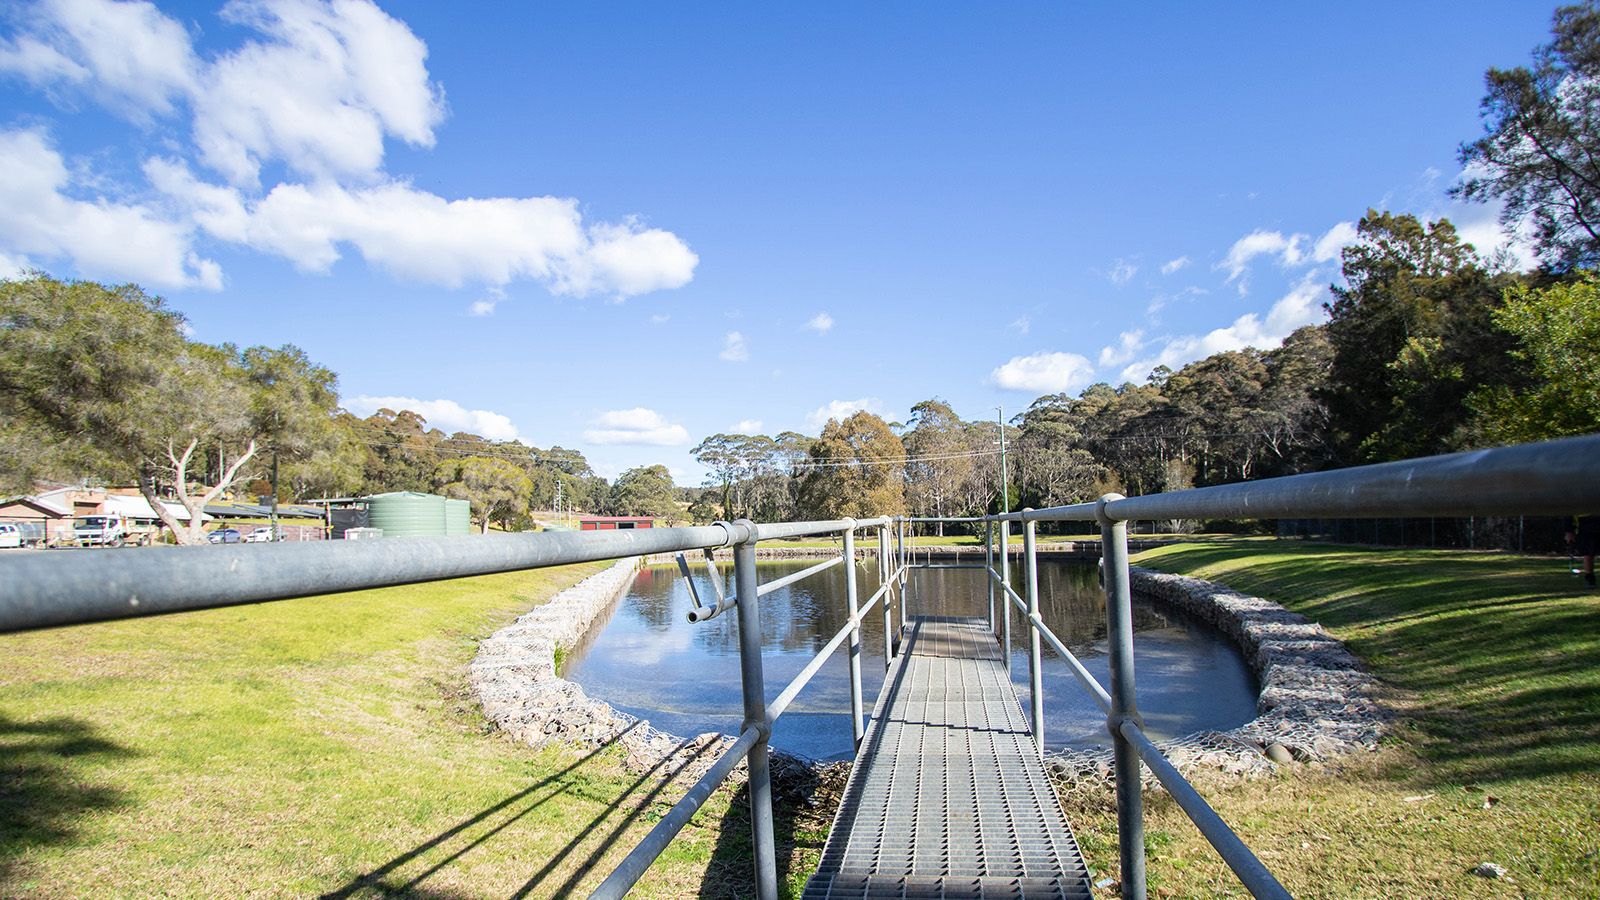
1554,478
760,716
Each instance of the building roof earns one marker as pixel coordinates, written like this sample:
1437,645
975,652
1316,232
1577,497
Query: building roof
616,518
39,503
139,508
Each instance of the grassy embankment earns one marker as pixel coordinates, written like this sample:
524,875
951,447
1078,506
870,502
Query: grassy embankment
1494,665
310,746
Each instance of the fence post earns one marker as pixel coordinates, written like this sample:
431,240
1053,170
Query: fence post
988,567
1035,669
1005,579
1119,634
856,725
755,712
888,594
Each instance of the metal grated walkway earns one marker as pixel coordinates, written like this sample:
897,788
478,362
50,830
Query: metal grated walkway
947,797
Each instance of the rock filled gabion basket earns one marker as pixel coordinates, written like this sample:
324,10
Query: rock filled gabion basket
514,677
1316,700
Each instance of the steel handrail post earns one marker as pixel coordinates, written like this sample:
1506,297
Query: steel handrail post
888,596
1005,578
857,727
988,563
905,572
1035,667
1119,638
748,586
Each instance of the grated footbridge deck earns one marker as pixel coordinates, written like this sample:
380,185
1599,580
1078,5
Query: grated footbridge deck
948,797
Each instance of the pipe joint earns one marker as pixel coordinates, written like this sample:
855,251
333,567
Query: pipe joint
739,532
1100,508
1115,721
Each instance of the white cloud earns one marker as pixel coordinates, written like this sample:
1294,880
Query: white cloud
1301,306
1043,372
635,426
821,323
1173,265
103,238
1128,343
1261,243
318,87
1122,272
747,426
416,235
485,306
734,348
321,92
1021,324
128,56
445,415
841,410
1334,240
659,319
13,266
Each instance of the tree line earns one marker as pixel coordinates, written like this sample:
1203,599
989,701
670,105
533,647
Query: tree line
104,383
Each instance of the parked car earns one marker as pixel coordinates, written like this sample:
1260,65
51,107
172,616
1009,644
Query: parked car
10,535
262,534
224,536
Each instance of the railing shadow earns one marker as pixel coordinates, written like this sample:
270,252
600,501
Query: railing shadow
379,879
599,850
731,875
40,799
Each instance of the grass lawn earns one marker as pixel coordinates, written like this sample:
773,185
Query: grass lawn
1494,663
324,745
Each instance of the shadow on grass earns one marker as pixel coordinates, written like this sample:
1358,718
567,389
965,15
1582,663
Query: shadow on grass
450,845
382,880
1500,652
798,835
43,788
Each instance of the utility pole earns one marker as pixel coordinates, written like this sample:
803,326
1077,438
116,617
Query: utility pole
1005,480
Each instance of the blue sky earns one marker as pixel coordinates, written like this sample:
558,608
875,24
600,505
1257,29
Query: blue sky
624,227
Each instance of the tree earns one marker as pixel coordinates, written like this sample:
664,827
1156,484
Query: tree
1412,335
105,378
1540,152
1053,467
496,488
941,460
1558,334
857,470
644,491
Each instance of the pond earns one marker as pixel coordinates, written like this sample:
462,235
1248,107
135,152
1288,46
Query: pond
648,660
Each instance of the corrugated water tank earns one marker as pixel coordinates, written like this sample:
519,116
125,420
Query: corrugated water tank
407,514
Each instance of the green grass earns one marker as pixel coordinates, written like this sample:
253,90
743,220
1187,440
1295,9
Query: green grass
1493,662
303,747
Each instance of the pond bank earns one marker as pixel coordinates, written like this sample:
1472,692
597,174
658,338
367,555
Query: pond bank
1315,701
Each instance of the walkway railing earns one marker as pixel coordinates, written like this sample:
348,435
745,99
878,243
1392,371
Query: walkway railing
1555,478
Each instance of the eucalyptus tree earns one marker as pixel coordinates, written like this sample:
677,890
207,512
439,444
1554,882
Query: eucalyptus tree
643,491
106,379
939,460
857,469
1540,151
497,488
1413,335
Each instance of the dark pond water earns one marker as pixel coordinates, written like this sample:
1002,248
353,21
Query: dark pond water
649,661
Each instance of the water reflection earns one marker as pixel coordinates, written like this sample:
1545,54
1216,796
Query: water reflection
648,660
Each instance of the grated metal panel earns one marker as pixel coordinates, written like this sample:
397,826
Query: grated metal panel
947,797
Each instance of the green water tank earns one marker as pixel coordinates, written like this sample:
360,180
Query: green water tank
457,517
407,514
